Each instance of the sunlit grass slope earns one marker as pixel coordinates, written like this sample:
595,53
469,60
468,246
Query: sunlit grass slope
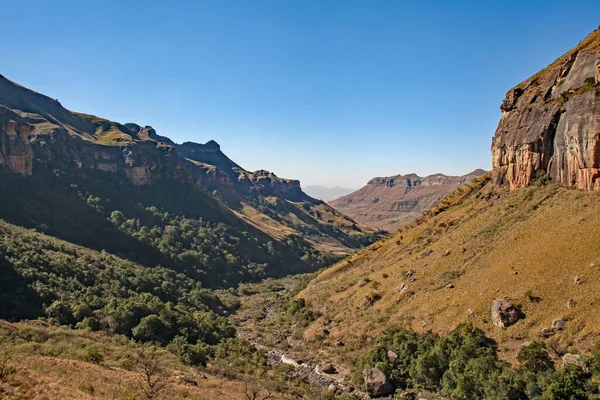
479,244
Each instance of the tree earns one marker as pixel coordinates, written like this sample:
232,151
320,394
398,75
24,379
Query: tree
153,378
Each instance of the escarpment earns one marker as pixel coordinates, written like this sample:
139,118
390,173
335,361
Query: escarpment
38,135
550,124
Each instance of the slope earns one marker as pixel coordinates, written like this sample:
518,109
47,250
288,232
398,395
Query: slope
66,173
537,246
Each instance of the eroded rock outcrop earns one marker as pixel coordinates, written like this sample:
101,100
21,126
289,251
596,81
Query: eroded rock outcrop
550,123
15,151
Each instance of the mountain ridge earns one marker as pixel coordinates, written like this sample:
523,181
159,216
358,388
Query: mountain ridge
38,135
391,202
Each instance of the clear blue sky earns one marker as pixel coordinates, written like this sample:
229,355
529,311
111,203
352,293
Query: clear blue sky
330,92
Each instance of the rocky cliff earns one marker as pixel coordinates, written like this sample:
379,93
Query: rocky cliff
15,151
391,202
550,123
37,133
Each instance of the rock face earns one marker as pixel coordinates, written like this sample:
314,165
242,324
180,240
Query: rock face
37,132
376,383
550,123
15,151
391,202
504,313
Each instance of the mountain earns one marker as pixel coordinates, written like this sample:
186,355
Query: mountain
327,193
392,202
514,253
125,189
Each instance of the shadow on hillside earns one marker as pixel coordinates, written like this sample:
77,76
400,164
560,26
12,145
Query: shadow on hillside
17,300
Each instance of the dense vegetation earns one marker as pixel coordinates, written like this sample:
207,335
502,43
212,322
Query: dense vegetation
44,277
465,365
176,225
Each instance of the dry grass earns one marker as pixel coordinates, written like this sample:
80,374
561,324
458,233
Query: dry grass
487,243
49,363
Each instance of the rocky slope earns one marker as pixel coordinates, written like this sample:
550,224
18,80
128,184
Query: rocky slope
551,122
39,136
392,202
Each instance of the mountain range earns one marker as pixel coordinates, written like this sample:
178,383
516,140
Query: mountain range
392,202
520,236
64,173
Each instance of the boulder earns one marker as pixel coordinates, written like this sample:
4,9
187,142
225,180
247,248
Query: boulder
328,368
546,333
504,313
575,359
558,324
391,355
376,383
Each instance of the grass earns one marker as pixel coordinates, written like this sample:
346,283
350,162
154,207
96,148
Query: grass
47,362
527,245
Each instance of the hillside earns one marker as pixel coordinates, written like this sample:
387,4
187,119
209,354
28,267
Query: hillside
536,246
513,253
392,202
129,191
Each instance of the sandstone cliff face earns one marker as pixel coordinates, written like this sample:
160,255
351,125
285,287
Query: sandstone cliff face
15,151
550,123
392,202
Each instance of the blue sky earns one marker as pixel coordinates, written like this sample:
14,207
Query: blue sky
331,92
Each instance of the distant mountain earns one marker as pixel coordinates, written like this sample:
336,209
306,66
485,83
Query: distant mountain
392,202
327,193
125,189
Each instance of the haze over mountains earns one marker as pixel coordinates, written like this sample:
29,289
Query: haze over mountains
327,193
392,202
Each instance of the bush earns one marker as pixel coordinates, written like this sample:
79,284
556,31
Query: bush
94,355
535,358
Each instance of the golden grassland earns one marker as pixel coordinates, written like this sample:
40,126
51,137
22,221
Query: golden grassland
481,243
47,362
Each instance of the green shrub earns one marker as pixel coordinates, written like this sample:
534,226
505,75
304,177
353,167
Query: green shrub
535,358
94,355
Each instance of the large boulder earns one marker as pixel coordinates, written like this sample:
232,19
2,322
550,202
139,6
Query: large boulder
376,383
504,313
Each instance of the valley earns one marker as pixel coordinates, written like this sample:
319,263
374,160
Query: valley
134,267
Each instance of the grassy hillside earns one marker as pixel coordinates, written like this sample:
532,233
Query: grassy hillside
538,246
42,362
